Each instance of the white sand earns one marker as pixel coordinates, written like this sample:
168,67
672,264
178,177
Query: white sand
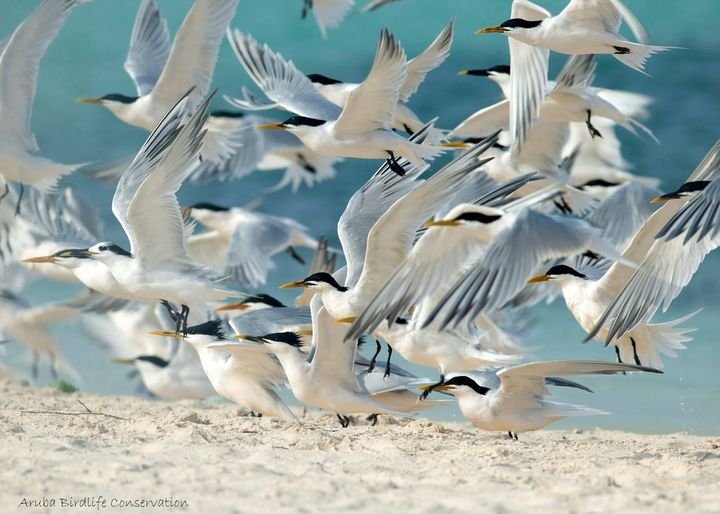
226,462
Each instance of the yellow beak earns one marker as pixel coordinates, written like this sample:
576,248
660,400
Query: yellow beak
255,339
348,320
441,223
659,199
436,388
89,101
298,283
48,258
497,29
539,278
305,332
166,333
463,72
122,361
455,144
237,306
272,126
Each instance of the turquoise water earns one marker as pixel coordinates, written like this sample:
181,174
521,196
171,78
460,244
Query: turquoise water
86,60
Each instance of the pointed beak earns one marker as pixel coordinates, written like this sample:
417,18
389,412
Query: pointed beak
89,101
48,258
539,278
436,388
348,320
455,144
305,332
497,29
166,333
254,339
271,126
298,283
237,306
122,361
441,223
462,73
664,198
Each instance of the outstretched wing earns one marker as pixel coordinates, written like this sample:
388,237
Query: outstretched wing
432,57
149,47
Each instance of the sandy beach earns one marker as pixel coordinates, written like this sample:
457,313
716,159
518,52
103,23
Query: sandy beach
209,457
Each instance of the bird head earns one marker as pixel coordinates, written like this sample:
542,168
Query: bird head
295,124
69,258
559,274
512,26
277,341
151,360
114,102
206,212
323,80
470,216
496,71
458,385
253,303
687,189
106,250
321,281
202,334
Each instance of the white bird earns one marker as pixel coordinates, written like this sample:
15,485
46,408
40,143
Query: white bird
163,73
241,374
328,381
617,308
514,399
158,266
241,243
361,129
338,92
19,66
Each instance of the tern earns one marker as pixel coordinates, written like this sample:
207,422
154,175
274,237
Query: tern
514,399
361,128
162,72
237,372
158,266
19,62
244,241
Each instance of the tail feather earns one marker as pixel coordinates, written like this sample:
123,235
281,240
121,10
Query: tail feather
638,54
653,340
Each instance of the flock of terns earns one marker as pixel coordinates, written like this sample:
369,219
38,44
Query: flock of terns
536,201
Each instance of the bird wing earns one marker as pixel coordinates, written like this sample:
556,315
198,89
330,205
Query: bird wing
528,78
577,73
19,65
334,358
390,240
371,105
194,52
209,248
251,247
330,13
280,80
432,57
253,362
145,201
543,147
149,47
510,261
624,212
270,321
368,204
485,121
62,218
602,16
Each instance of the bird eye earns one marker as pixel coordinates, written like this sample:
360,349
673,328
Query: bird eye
103,248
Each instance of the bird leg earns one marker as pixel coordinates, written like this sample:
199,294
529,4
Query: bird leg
621,50
563,206
593,131
407,129
372,418
295,255
387,364
6,192
171,311
394,165
307,7
344,420
635,354
36,365
306,165
184,314
378,347
512,435
430,388
19,200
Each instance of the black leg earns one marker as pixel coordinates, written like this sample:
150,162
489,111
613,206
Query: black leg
515,435
6,192
19,200
510,435
184,317
171,311
394,165
407,129
36,365
306,165
372,418
593,131
430,388
621,50
378,347
178,323
307,7
387,364
617,352
295,255
344,420
635,354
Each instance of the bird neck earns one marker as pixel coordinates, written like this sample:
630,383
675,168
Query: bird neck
295,366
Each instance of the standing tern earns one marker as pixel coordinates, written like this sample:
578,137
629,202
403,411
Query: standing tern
239,373
19,65
514,399
361,128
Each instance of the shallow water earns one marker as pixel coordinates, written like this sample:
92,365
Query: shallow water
86,60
